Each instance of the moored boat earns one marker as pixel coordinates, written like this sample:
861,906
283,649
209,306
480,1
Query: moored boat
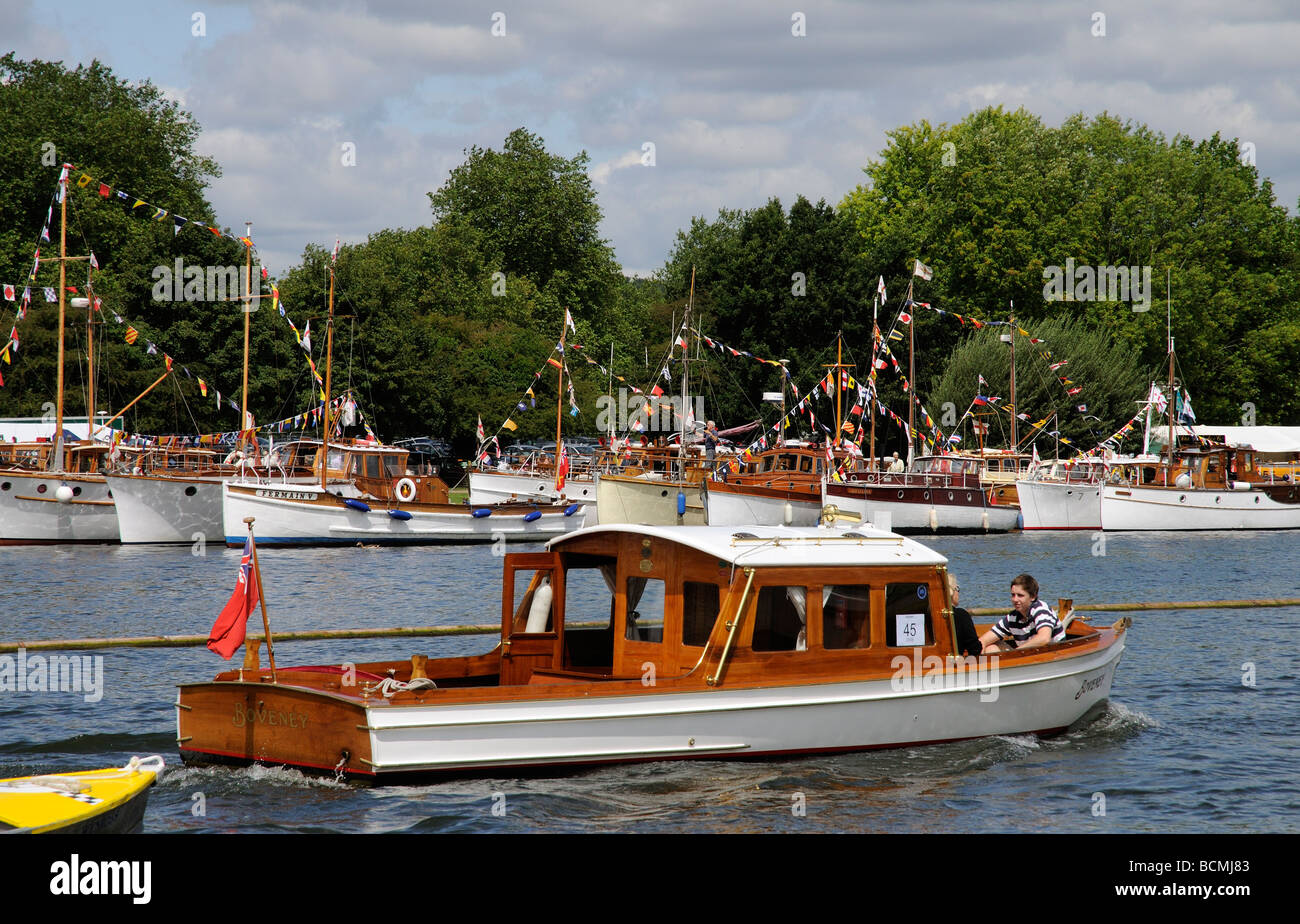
71,503
1063,495
941,494
636,643
1202,488
366,494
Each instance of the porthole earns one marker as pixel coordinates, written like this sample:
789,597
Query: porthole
1181,498
1256,496
1218,498
949,495
900,493
663,493
76,492
927,495
967,495
7,485
191,491
41,489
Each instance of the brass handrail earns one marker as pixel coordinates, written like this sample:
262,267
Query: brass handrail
716,678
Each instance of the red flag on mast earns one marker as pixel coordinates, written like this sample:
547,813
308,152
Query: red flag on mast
228,631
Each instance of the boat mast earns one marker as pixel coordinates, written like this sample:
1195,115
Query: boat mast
911,379
785,374
559,398
686,378
90,364
1015,442
56,457
875,349
1169,336
329,361
839,386
248,283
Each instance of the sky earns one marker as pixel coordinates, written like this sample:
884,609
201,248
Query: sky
335,119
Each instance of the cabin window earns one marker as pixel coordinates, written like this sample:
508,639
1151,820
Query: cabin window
700,605
589,612
768,463
336,459
645,610
394,466
534,607
780,618
805,464
846,610
907,614
372,466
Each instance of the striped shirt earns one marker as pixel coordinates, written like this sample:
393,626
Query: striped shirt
1021,629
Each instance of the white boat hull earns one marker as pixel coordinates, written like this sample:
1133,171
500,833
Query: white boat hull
1060,505
286,515
1046,697
926,517
29,512
512,487
1132,507
157,508
739,509
623,499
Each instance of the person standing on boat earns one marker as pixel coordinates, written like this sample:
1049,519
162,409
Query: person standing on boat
896,466
710,441
1030,624
968,640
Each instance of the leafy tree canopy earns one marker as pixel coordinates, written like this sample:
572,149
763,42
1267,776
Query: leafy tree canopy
992,202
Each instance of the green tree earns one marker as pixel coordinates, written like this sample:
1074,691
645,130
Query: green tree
129,137
776,284
538,217
1107,373
996,199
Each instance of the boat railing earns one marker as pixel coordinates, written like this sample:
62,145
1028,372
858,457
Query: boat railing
917,479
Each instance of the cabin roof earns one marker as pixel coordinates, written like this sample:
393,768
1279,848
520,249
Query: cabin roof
779,546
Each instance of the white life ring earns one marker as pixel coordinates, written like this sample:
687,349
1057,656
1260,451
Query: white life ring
405,490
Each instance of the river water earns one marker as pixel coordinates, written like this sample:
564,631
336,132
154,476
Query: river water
1201,733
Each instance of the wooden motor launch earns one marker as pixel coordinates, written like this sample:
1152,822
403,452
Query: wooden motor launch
627,642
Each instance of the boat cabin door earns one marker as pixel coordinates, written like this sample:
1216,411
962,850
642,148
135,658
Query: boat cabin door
530,608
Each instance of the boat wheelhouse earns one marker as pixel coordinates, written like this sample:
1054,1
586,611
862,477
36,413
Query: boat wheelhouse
781,486
938,494
638,643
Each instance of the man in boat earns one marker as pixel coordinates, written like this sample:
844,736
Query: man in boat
710,441
968,641
896,466
1030,624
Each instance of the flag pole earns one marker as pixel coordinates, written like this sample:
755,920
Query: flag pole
261,598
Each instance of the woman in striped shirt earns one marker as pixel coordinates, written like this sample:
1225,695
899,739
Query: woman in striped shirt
1030,624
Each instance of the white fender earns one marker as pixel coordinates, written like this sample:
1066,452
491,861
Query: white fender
541,608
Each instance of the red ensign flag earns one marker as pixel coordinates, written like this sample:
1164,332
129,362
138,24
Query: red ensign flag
228,631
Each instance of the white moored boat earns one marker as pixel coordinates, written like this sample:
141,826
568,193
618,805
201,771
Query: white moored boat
1063,495
167,509
367,495
1215,488
73,504
634,643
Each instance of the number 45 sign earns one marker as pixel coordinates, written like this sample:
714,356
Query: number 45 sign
910,628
